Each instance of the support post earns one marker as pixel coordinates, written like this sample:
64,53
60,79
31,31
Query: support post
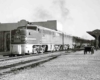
97,41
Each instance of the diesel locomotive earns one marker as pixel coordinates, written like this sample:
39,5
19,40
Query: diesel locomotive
37,39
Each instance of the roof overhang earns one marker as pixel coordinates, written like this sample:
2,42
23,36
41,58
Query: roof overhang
91,33
94,32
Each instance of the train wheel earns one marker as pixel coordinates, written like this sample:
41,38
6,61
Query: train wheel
46,48
42,49
35,50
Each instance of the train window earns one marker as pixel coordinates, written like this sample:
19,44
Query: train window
29,33
38,29
32,27
21,27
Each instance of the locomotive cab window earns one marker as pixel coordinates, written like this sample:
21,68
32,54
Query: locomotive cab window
21,27
32,27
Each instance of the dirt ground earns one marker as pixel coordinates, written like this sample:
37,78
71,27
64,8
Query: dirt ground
75,66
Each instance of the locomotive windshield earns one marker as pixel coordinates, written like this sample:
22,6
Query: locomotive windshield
21,30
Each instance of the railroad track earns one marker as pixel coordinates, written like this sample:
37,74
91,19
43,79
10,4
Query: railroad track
18,57
24,64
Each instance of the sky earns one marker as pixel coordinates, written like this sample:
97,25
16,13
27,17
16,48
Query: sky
74,17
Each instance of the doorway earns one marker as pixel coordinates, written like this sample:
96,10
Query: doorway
4,41
7,41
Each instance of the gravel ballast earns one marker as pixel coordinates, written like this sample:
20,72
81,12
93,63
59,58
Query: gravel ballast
75,66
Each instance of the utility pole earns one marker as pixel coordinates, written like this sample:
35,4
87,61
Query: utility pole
63,39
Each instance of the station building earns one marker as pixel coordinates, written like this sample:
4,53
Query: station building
96,35
5,29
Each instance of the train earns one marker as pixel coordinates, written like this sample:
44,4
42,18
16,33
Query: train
34,39
30,39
